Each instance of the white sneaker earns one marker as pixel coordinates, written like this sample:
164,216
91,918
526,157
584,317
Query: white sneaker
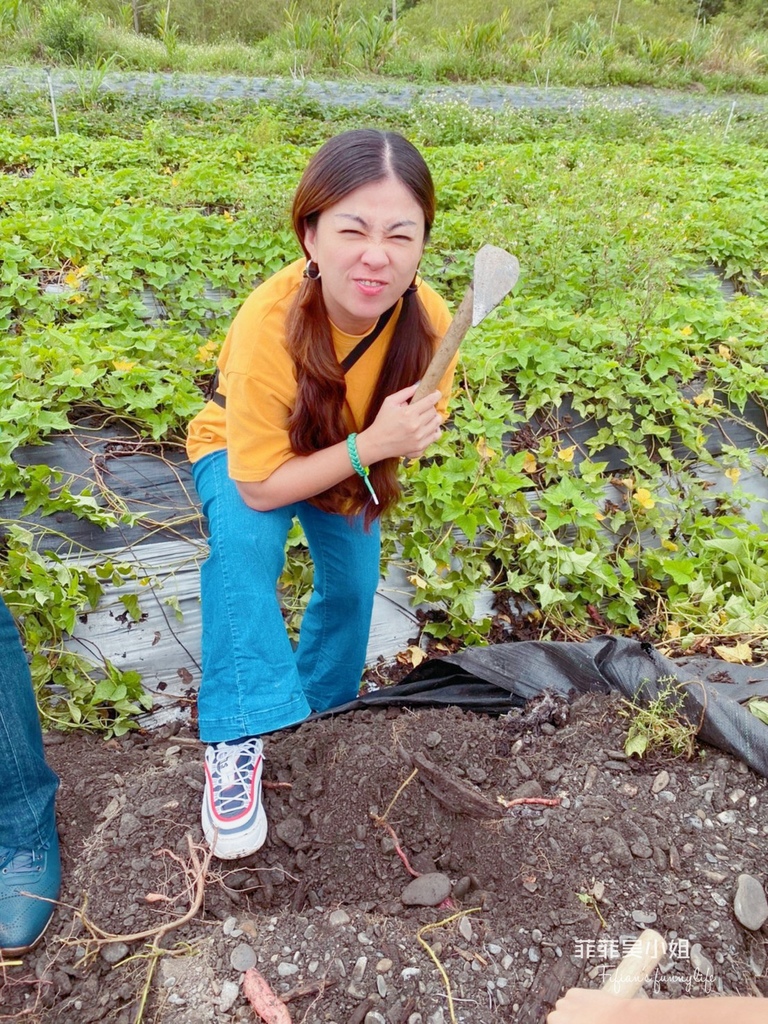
233,814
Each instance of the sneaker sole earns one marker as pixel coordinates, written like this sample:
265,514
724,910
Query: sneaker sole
230,846
18,950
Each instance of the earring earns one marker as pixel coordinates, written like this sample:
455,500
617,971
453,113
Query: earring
312,271
413,286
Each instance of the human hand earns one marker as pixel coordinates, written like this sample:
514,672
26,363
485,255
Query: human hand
589,1006
402,428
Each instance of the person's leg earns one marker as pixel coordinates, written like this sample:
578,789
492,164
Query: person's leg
336,624
250,683
29,850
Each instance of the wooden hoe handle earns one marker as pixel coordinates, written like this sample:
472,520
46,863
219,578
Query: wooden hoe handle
646,952
448,347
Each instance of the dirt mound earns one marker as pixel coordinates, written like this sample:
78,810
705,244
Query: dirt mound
538,894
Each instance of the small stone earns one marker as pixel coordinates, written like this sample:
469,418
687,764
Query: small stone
736,796
616,848
660,782
286,970
230,927
427,890
114,952
750,905
699,962
338,918
242,958
643,917
374,1017
384,965
228,995
526,790
462,887
359,969
728,817
381,986
290,831
433,739
465,929
129,824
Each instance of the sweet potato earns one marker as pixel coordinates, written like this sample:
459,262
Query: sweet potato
267,1004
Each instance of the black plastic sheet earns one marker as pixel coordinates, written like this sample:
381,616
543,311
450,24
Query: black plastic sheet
494,679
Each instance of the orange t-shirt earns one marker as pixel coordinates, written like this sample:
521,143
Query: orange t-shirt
256,374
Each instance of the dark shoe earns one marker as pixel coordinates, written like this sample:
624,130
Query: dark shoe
28,879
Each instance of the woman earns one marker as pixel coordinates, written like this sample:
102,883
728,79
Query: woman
311,416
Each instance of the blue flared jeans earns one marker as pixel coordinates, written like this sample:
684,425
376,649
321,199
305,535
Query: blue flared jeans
27,784
253,681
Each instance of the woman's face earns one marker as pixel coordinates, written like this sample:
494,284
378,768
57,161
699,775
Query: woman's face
368,247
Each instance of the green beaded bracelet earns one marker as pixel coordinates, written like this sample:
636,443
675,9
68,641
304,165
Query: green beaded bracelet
359,468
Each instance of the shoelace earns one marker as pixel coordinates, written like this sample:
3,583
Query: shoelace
231,773
19,861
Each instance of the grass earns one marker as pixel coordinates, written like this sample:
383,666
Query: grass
660,726
585,44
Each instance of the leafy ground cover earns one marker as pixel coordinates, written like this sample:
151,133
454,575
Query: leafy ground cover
128,242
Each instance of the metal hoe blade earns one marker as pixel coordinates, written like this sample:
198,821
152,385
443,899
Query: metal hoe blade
495,275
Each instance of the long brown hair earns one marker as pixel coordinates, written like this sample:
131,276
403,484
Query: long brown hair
341,165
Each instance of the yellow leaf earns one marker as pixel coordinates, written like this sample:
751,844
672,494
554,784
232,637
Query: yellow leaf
599,517
733,474
706,397
484,451
415,655
529,463
566,454
418,581
686,331
669,545
674,629
72,279
740,654
205,351
643,498
123,365
724,351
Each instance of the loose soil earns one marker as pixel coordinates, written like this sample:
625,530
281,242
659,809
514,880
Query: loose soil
540,896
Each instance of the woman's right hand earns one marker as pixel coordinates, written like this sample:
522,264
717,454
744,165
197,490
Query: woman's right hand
402,429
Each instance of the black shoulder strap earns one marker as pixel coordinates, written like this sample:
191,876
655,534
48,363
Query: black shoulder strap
365,343
346,364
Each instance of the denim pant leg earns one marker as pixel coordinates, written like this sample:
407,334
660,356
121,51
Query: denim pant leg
27,784
250,683
337,622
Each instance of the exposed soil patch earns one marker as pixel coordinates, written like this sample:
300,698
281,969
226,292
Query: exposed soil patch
320,909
